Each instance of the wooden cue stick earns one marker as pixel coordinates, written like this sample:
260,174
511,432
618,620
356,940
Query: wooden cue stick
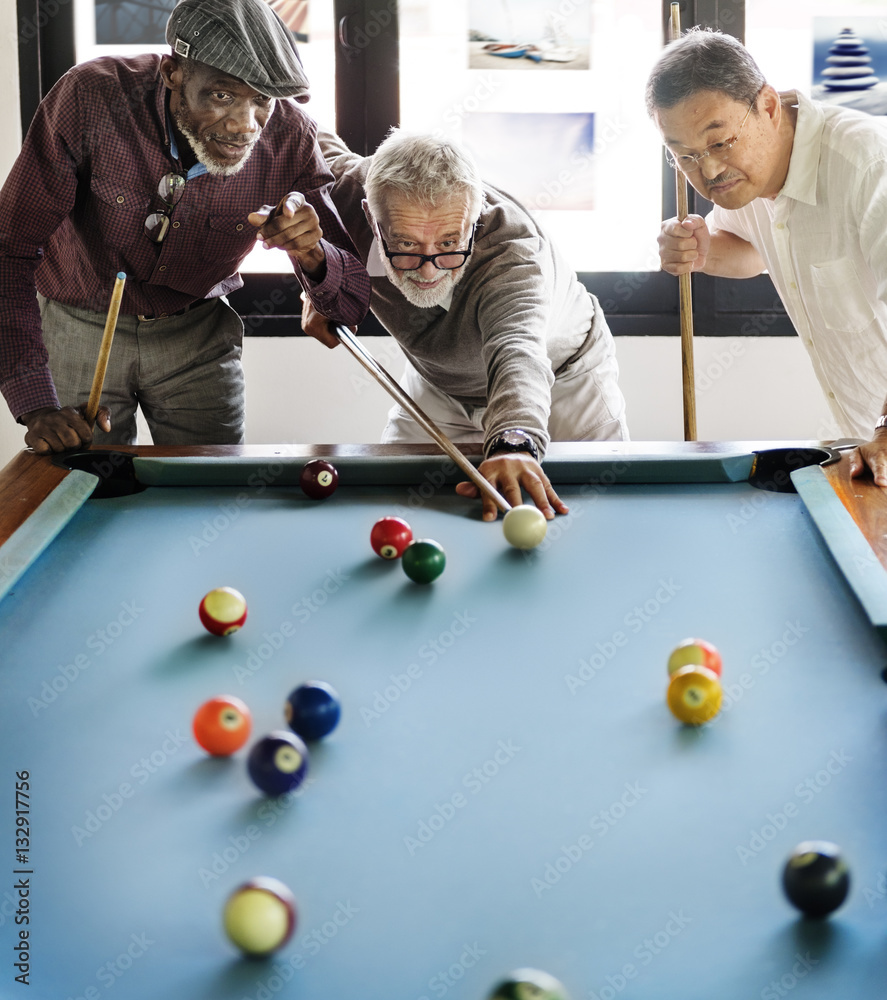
98,380
684,287
390,384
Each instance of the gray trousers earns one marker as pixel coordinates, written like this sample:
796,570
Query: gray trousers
586,405
183,371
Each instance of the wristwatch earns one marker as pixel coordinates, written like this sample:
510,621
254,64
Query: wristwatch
882,422
514,440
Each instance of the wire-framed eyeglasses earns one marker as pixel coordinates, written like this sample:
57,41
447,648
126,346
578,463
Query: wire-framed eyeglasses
689,162
170,189
449,261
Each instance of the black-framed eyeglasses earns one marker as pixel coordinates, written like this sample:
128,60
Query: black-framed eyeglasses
690,162
449,261
170,189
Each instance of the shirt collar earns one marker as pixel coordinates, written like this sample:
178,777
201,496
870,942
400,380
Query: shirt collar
198,167
803,167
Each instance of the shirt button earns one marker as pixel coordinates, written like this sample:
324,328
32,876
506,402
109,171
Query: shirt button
176,225
162,267
831,395
780,225
239,227
120,199
792,285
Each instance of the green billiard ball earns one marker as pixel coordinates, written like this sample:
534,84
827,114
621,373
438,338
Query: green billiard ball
423,560
529,984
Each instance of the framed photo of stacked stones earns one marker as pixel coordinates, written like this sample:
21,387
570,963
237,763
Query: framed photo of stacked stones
850,62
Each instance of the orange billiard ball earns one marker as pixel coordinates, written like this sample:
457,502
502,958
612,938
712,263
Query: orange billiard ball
222,725
696,653
223,611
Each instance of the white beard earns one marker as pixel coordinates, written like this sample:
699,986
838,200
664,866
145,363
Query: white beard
215,167
415,294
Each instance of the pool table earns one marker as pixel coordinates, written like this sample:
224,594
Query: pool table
506,788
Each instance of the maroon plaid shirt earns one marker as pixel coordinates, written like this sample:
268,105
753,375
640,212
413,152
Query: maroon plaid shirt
73,210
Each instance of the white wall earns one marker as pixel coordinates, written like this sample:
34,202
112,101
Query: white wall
747,388
299,391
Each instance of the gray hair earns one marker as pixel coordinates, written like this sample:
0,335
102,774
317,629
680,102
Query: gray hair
423,168
703,59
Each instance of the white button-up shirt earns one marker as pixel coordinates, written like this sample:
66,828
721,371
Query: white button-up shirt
824,241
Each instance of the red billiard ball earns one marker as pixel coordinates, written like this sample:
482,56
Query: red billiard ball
319,479
696,653
222,725
390,536
223,610
260,916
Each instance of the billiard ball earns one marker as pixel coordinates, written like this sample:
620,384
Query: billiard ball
222,725
318,479
423,560
278,763
529,984
390,536
694,695
696,653
260,916
815,878
524,526
313,710
223,611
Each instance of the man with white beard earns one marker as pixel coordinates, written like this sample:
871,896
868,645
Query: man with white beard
168,169
504,346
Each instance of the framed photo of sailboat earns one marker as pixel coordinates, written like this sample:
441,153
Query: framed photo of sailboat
532,35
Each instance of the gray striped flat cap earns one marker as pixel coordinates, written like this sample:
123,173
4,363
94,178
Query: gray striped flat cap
243,38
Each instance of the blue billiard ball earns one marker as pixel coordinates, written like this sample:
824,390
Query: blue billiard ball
313,710
278,763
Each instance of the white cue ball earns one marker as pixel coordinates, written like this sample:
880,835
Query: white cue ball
524,526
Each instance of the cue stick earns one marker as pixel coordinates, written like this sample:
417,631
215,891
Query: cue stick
390,384
92,406
686,300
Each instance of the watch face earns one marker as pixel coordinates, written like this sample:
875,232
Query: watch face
515,437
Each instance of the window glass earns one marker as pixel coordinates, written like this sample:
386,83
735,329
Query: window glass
549,96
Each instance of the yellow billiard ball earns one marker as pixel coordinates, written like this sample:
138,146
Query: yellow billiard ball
694,695
260,916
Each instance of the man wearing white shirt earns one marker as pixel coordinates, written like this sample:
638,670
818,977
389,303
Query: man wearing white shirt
800,189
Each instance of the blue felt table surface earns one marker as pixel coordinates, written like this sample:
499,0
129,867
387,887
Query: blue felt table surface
506,788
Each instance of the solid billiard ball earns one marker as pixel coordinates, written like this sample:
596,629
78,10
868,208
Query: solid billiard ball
222,725
223,610
423,560
694,695
313,709
529,984
278,763
524,526
318,479
815,878
260,916
696,653
390,536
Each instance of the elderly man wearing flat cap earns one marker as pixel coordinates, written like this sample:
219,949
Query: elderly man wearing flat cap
167,168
